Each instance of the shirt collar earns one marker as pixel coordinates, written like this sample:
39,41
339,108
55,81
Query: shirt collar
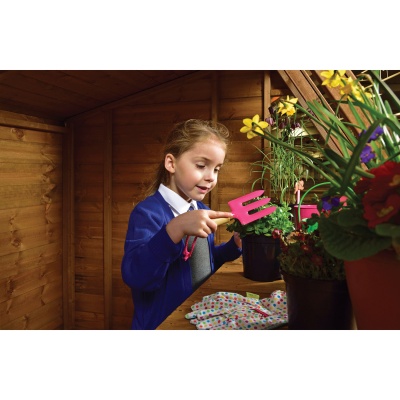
176,202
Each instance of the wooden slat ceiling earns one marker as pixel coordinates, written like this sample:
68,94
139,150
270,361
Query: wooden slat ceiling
58,95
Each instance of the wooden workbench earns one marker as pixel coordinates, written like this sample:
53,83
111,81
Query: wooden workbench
229,278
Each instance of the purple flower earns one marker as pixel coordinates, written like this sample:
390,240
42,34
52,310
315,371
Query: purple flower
295,125
284,122
329,202
367,154
374,135
270,121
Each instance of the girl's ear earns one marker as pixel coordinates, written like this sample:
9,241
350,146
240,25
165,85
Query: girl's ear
169,163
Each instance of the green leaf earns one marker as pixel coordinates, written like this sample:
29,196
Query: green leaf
348,244
389,230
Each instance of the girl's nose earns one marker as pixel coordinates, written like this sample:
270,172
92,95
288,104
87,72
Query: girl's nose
210,176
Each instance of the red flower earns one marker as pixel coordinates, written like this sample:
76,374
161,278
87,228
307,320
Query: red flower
382,194
385,181
276,233
378,212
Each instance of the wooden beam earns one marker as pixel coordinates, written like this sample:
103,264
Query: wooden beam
345,110
68,230
301,86
266,104
19,123
107,221
214,200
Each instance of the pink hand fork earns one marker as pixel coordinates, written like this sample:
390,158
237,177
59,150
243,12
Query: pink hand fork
241,212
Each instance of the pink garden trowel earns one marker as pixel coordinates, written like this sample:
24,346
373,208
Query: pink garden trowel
242,206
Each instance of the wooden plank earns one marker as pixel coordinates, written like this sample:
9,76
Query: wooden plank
89,193
301,88
140,132
28,135
26,174
48,316
239,108
27,152
334,93
89,302
17,285
137,153
240,84
161,113
89,320
89,154
90,229
214,118
165,87
107,220
29,195
122,322
123,306
19,240
23,305
29,124
13,219
22,261
132,173
87,248
68,229
54,90
89,282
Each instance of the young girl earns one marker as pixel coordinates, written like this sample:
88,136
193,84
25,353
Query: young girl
161,264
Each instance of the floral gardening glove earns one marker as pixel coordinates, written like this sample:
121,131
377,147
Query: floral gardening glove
225,310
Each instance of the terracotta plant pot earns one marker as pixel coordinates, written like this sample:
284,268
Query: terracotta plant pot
259,258
374,290
317,304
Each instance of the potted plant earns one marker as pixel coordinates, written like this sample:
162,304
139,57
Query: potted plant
282,171
362,199
260,242
316,288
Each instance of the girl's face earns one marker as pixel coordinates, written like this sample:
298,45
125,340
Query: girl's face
195,172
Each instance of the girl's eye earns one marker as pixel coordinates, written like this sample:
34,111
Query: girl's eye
200,166
217,170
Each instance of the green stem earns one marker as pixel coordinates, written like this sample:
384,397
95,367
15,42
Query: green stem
306,193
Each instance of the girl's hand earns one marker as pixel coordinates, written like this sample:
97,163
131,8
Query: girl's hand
237,239
194,223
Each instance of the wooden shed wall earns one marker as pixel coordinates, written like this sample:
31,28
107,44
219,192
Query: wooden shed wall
31,230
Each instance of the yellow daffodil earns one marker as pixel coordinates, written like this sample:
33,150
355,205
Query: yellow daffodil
248,126
355,89
287,106
360,92
348,88
333,77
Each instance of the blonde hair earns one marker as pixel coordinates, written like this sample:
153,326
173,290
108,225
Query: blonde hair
182,138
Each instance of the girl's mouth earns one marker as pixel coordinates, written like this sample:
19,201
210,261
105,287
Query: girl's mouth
203,189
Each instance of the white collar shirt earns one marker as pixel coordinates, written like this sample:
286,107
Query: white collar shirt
177,203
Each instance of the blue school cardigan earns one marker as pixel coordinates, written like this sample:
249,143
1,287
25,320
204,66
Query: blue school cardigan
153,267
